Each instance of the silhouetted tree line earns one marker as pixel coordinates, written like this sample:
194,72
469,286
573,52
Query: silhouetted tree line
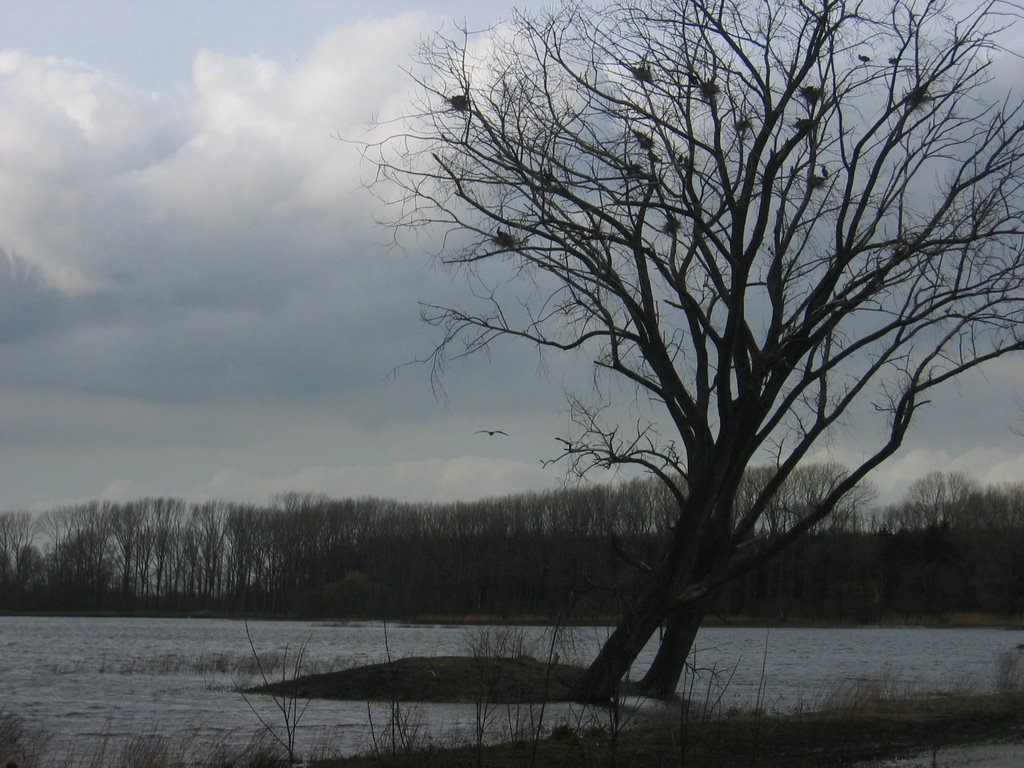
950,545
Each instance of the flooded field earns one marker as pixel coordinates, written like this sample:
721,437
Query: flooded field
81,680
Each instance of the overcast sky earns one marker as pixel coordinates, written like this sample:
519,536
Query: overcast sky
195,299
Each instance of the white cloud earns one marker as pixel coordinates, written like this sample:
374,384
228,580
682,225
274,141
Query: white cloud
122,490
991,465
95,105
218,225
435,479
987,465
83,155
68,131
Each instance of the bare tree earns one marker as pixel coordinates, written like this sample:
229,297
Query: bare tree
938,498
166,516
17,533
766,216
77,539
127,526
799,495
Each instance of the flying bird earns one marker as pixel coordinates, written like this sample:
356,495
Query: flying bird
491,432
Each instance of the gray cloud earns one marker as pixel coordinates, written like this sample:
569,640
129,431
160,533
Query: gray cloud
231,262
29,308
195,297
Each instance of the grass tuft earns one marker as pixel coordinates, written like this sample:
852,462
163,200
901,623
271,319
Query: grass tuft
1010,671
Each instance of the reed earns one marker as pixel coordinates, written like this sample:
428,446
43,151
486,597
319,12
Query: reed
1010,671
25,748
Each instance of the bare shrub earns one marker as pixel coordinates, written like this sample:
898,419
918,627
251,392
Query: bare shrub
259,753
859,694
290,704
150,751
500,642
12,733
19,744
399,736
1010,671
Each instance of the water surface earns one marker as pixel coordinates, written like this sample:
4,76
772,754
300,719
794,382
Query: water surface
84,679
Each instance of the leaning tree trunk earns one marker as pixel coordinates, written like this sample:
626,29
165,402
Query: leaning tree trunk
601,680
662,678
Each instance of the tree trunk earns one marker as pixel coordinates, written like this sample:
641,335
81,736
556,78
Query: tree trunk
602,678
663,675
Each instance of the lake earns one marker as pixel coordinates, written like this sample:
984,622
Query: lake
83,680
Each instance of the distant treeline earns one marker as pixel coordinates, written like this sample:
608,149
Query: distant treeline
948,546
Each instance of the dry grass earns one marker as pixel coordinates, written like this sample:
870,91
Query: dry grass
229,665
863,694
1010,671
835,738
890,727
21,746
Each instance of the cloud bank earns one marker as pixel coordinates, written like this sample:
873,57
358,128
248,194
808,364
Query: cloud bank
196,299
195,296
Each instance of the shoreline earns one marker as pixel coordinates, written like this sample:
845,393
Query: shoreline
932,731
868,734
951,621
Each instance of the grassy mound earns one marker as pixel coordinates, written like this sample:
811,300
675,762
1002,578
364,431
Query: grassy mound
439,679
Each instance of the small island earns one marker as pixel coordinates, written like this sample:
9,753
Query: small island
439,679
